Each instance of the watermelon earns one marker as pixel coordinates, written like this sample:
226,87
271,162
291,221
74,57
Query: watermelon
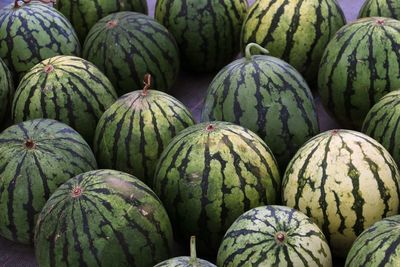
103,218
67,89
31,32
274,236
183,261
133,132
382,123
267,96
345,181
209,175
36,157
6,90
296,31
207,32
380,8
84,14
359,66
379,245
127,45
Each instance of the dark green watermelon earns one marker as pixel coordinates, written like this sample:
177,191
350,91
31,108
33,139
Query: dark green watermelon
296,31
31,32
380,8
379,245
103,218
127,45
209,175
184,261
6,90
67,89
134,131
274,236
359,66
267,96
35,158
83,14
383,123
207,31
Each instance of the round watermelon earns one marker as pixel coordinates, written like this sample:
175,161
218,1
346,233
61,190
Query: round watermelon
209,175
127,45
207,31
184,261
31,32
67,89
103,218
274,236
359,66
379,245
267,96
84,14
345,181
35,158
133,132
380,8
383,123
6,90
296,31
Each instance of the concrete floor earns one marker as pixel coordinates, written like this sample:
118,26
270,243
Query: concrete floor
190,90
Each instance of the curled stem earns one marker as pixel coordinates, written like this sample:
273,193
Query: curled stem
260,49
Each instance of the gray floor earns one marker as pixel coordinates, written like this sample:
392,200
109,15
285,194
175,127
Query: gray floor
190,90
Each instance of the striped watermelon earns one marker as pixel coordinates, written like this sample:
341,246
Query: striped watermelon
274,236
267,96
133,132
296,31
345,181
359,66
6,90
103,218
65,88
127,45
379,245
31,32
183,261
209,175
35,158
207,31
380,8
382,123
83,14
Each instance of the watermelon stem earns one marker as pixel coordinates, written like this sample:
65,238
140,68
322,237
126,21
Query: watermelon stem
17,5
260,49
193,254
147,84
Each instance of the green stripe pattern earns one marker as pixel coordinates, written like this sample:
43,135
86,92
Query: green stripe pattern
383,123
6,90
67,89
379,245
267,96
296,31
345,181
134,131
359,66
209,175
103,218
207,31
35,158
127,45
32,33
274,236
84,14
380,8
